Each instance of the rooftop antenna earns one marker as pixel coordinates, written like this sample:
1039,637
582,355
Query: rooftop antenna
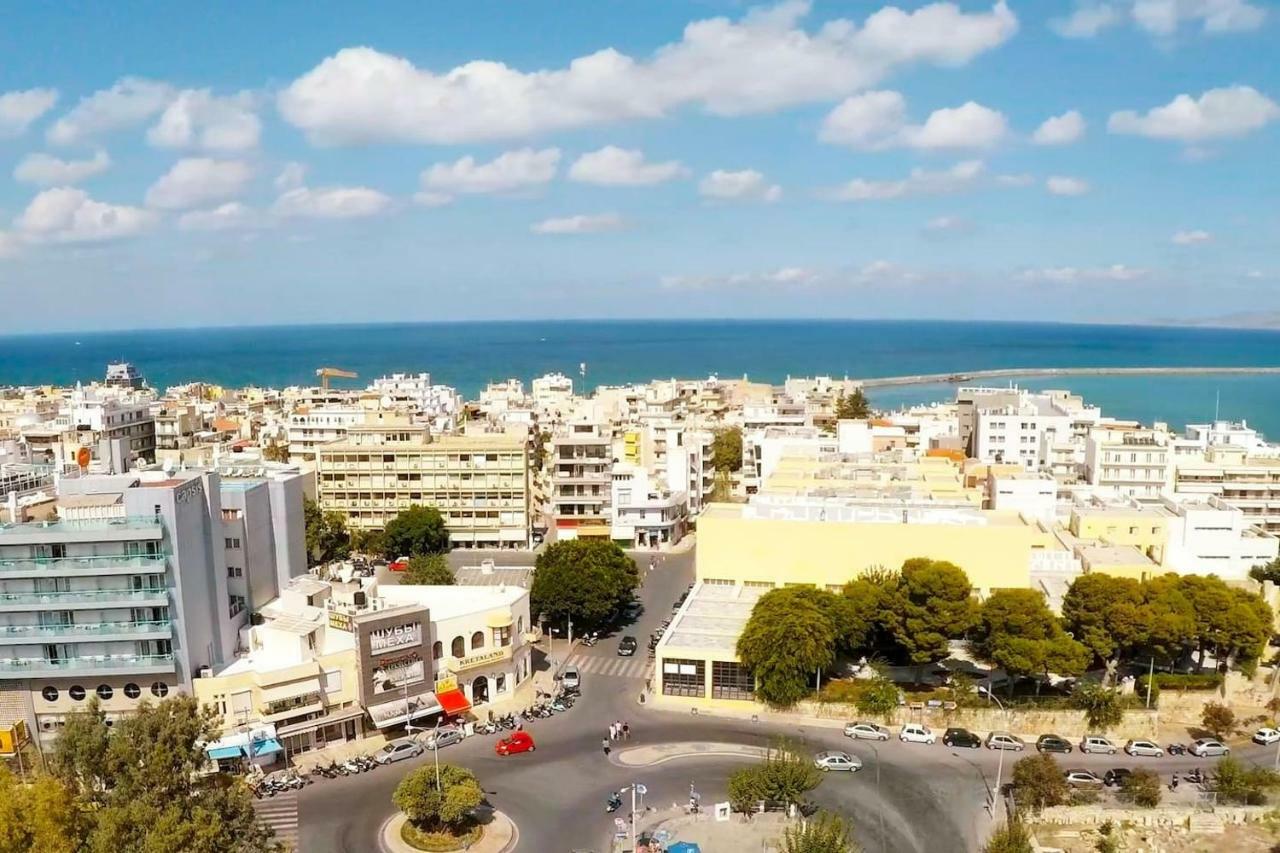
1217,398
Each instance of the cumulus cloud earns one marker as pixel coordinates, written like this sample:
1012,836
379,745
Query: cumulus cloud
959,177
1087,20
1062,185
69,215
1060,130
129,102
198,181
232,216
878,120
291,175
1161,18
744,185
1192,238
48,171
196,118
522,169
612,166
580,224
330,203
1217,114
762,62
19,110
1072,275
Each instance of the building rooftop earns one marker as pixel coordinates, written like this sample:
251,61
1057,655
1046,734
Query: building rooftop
86,525
712,618
447,602
494,576
1113,555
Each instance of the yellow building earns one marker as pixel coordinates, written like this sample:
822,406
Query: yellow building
840,475
1145,529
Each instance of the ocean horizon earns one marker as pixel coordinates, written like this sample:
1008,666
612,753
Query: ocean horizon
469,354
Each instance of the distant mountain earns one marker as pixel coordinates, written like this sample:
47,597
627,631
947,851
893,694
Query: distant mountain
1241,320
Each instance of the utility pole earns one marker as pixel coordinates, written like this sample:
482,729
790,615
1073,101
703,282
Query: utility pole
1151,676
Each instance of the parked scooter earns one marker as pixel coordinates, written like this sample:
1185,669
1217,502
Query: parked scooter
614,803
591,639
1176,749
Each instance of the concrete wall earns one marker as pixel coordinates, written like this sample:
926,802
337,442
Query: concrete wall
1026,724
1159,816
288,526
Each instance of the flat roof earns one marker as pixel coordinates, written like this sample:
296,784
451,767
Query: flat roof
1114,555
712,618
509,575
447,602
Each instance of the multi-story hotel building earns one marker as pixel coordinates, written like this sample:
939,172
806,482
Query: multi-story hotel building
582,481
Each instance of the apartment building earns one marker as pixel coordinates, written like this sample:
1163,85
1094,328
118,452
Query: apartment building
98,416
437,406
581,481
479,483
645,515
176,426
1034,431
764,447
309,428
1134,461
1248,483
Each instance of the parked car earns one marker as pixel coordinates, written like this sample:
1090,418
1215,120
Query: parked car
1206,747
1004,740
1116,776
1053,743
869,731
1097,743
398,750
962,738
631,610
836,761
627,647
444,736
571,678
517,742
916,733
400,565
1144,747
1082,779
1266,737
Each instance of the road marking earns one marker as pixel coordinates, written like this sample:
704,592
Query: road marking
281,814
616,667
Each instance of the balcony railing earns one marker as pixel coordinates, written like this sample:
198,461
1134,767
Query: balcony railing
83,525
97,595
143,562
87,630
100,662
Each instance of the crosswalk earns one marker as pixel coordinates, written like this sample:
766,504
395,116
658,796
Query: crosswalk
281,814
613,667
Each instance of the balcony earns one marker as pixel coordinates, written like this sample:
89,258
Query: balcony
486,657
88,599
91,566
92,631
82,530
277,712
42,668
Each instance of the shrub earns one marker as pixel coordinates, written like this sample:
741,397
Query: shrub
1102,707
785,775
1142,788
1013,837
1244,784
1176,681
1038,783
1218,719
446,808
880,697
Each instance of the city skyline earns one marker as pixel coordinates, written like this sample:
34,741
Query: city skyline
1097,162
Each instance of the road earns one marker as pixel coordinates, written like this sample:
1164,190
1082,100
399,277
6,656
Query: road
927,798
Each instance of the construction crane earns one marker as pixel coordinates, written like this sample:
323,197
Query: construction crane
326,372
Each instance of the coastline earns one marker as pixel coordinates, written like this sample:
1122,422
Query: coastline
959,377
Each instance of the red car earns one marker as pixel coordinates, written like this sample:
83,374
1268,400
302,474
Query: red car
518,742
399,565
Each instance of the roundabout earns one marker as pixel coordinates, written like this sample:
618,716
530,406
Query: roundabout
499,835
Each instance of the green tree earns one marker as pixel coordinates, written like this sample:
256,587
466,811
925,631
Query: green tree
141,787
853,406
42,815
879,697
448,807
823,833
726,449
1231,622
788,639
581,579
1245,784
784,775
428,569
1167,619
1038,783
538,454
326,534
1218,719
1142,788
1101,705
1266,572
931,606
367,541
1018,633
1013,837
722,487
415,531
1105,613
868,623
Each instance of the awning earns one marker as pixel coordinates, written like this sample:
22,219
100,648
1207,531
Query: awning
392,713
453,701
292,690
222,753
498,618
265,747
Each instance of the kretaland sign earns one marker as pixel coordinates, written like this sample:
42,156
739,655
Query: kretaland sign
481,659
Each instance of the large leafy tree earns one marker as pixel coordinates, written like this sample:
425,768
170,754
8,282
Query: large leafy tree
931,606
824,833
788,639
726,450
1167,619
42,815
326,534
430,569
785,775
854,406
140,783
867,623
1232,622
1018,633
1106,614
584,580
1038,783
415,531
448,806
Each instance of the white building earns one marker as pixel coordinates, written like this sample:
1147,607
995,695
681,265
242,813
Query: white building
1211,537
437,406
310,428
581,461
552,392
762,449
1133,461
1032,495
1032,432
645,514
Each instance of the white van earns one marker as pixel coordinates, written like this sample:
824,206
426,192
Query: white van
1097,743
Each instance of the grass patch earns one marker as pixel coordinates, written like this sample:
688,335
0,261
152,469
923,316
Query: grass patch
439,841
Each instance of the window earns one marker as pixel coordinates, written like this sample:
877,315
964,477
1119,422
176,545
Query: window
236,605
437,650
233,542
76,693
458,648
684,678
235,572
500,683
104,692
519,624
50,694
132,690
731,680
159,689
477,640
502,636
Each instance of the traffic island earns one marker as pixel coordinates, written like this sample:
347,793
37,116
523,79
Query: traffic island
497,835
647,756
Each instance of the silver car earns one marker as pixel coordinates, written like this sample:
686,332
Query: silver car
1144,747
398,750
836,761
869,731
1205,747
445,736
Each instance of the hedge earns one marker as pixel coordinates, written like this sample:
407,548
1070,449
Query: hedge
1177,681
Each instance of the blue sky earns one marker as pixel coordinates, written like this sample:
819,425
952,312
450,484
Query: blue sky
179,165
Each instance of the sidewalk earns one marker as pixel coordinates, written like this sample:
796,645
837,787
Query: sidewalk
339,752
500,836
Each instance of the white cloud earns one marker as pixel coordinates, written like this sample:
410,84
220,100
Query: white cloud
196,118
1060,130
744,185
129,102
1072,275
509,172
873,273
612,166
291,176
1217,114
1163,17
48,171
19,110
959,177
580,224
1061,185
1087,20
878,120
1192,238
331,203
68,215
947,226
197,181
1019,180
763,62
232,216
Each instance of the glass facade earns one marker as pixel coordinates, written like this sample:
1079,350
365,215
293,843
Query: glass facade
684,677
731,680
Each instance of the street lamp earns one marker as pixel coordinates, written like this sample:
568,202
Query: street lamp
1000,765
635,788
876,753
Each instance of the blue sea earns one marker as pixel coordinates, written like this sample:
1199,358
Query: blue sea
468,355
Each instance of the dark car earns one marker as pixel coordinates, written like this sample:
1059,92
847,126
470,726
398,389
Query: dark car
1052,743
627,647
962,738
631,611
1116,776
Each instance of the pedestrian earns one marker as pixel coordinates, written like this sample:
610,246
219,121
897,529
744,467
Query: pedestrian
612,734
1173,785
604,744
626,730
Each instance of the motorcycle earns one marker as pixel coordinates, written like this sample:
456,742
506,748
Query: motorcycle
1195,777
591,639
614,803
1176,749
558,706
